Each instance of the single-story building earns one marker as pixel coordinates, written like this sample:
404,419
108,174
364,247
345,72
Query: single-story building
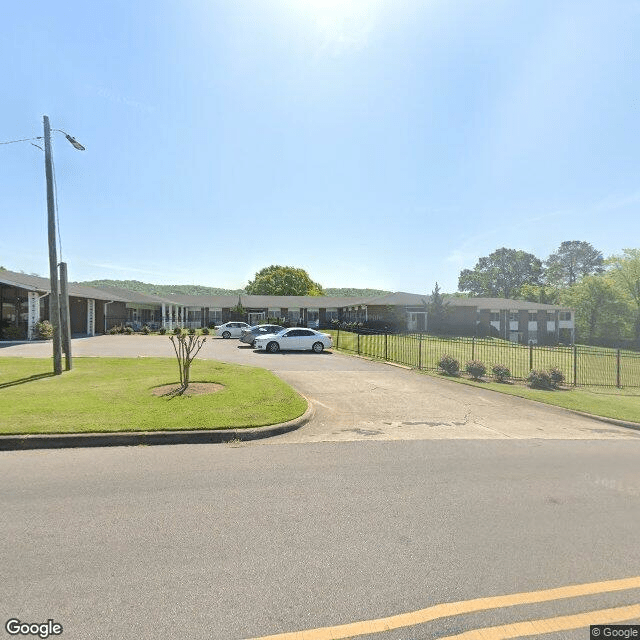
24,301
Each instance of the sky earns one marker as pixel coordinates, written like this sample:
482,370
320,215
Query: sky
374,143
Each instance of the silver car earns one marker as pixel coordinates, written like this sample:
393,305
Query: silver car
250,334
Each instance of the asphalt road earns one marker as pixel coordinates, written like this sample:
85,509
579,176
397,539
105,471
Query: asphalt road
403,493
232,542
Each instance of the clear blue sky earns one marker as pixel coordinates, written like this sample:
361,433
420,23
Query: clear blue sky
384,144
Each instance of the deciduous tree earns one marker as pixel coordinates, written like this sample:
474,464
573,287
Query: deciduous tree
501,274
283,281
602,310
625,271
573,260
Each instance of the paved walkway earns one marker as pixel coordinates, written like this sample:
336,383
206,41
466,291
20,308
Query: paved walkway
356,399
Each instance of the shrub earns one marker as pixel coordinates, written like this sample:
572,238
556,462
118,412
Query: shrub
539,379
501,372
192,332
146,330
116,329
162,330
449,365
205,331
557,377
128,330
476,369
177,331
44,330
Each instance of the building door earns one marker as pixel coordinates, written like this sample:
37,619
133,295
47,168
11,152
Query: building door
255,317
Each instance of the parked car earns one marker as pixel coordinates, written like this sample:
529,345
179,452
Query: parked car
295,339
249,335
231,329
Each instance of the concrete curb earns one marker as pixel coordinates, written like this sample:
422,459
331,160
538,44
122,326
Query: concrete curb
615,421
132,438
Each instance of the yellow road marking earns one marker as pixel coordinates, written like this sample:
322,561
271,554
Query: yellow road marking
551,625
445,610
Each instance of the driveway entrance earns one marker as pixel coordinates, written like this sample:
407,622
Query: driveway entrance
357,399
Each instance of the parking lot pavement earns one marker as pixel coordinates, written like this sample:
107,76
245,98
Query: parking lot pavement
356,399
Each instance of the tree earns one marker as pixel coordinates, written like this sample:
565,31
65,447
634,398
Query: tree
602,310
625,271
573,260
186,348
283,281
502,274
543,293
437,311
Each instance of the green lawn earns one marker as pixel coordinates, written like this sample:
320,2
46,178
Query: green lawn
621,404
115,394
594,366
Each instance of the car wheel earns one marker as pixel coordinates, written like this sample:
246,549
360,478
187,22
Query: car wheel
253,344
318,347
273,347
226,334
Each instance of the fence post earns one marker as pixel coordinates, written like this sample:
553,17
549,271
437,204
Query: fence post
530,355
386,354
618,368
473,347
575,365
420,351
358,334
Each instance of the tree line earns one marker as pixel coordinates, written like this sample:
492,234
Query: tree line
604,292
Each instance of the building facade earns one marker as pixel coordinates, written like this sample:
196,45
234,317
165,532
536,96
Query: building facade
24,302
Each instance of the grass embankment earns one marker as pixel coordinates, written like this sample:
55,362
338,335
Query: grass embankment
116,394
592,366
621,404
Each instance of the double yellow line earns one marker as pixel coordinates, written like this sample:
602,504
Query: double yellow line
516,630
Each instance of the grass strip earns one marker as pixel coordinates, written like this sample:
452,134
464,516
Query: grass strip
115,394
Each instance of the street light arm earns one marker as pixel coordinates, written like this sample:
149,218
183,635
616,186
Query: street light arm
72,140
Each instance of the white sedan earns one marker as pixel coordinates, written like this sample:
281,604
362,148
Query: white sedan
294,340
231,329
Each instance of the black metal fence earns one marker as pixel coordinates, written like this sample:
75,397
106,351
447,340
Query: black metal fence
581,365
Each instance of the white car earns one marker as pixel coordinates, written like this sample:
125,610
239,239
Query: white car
231,329
294,339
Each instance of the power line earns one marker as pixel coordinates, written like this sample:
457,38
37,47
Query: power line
23,140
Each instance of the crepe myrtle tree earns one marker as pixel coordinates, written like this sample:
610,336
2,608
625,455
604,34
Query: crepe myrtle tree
186,347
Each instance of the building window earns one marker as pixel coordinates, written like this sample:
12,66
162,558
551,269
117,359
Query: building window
533,316
513,316
331,313
551,315
495,316
565,316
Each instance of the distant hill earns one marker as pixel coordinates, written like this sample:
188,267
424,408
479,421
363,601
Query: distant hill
365,293
198,290
162,289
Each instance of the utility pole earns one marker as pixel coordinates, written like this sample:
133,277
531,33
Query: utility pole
65,316
54,300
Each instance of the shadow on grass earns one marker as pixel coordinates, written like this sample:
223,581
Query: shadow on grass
37,376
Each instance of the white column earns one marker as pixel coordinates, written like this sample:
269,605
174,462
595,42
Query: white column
164,310
34,314
91,317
